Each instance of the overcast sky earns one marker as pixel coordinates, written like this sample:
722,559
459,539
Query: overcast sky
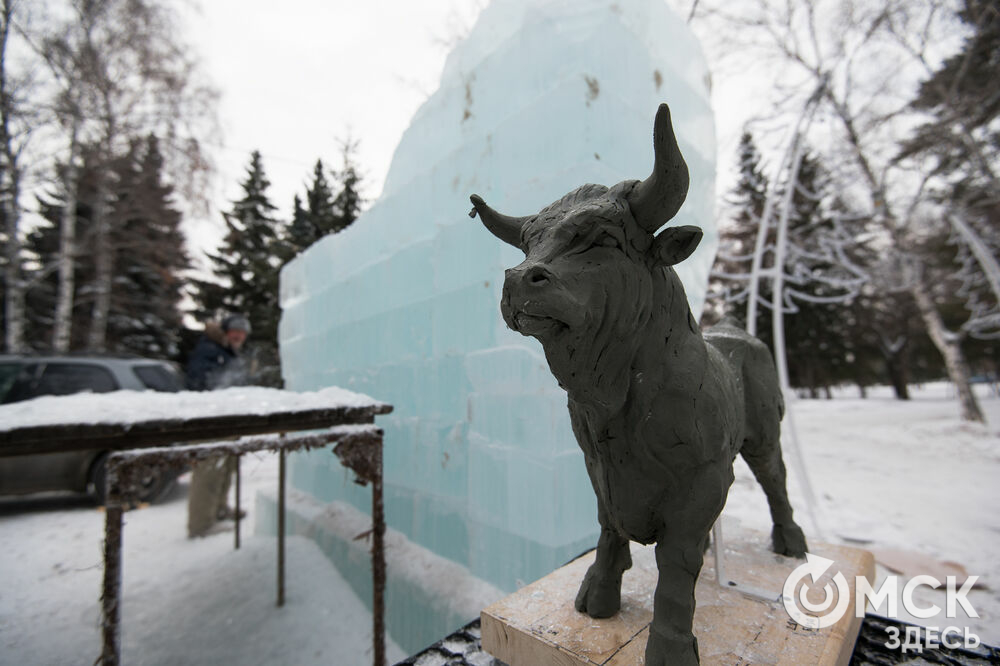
298,75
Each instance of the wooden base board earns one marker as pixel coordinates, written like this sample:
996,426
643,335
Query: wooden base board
539,625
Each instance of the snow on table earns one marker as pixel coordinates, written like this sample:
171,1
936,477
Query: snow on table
136,419
129,407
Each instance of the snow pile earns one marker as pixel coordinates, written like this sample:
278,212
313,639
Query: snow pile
129,407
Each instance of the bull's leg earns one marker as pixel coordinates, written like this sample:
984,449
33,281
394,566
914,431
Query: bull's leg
671,641
769,470
600,593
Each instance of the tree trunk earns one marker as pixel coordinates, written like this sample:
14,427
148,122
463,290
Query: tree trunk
62,326
103,270
895,366
11,189
949,345
13,275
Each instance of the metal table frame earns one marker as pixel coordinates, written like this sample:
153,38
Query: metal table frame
164,443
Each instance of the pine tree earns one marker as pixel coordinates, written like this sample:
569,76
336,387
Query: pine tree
962,144
349,201
320,204
301,232
820,276
145,316
147,247
43,247
318,218
727,287
823,270
246,268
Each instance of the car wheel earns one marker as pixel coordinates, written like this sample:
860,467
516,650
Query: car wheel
98,477
153,484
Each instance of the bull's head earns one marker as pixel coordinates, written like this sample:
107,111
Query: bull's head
592,263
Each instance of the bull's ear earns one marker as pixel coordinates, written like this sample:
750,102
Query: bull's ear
675,244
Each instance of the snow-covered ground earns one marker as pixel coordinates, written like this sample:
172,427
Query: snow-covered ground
185,601
908,480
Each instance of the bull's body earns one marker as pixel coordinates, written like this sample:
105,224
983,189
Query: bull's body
659,410
688,434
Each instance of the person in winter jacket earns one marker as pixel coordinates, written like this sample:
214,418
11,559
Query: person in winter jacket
215,363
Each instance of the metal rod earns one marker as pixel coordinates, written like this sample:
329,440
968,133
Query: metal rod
237,503
281,528
378,559
719,546
720,556
111,596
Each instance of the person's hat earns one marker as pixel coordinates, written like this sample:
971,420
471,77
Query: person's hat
236,322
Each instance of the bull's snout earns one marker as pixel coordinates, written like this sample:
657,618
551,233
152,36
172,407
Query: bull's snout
529,276
530,301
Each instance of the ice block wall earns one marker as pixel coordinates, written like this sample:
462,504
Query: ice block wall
542,96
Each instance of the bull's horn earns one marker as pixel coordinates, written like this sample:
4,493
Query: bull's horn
657,199
504,227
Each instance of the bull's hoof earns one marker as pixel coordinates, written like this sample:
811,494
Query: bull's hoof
600,593
789,540
679,651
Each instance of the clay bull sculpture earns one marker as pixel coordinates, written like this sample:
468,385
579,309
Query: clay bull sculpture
659,409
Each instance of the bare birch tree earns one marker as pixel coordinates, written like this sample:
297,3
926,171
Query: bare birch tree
119,72
868,59
15,130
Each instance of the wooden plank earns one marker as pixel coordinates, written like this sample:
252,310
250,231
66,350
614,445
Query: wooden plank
159,432
538,624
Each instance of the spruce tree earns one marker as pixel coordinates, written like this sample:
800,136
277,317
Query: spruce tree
317,218
147,247
320,205
43,246
818,339
246,270
301,232
349,201
727,287
145,316
821,269
961,143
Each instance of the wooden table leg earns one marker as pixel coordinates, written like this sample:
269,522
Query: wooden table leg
111,596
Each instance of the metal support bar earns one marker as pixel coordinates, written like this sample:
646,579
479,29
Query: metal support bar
378,559
719,547
111,595
236,520
281,528
127,468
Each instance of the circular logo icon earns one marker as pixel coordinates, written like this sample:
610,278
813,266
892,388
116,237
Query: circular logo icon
805,612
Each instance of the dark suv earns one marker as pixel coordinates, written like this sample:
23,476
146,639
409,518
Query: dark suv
25,377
